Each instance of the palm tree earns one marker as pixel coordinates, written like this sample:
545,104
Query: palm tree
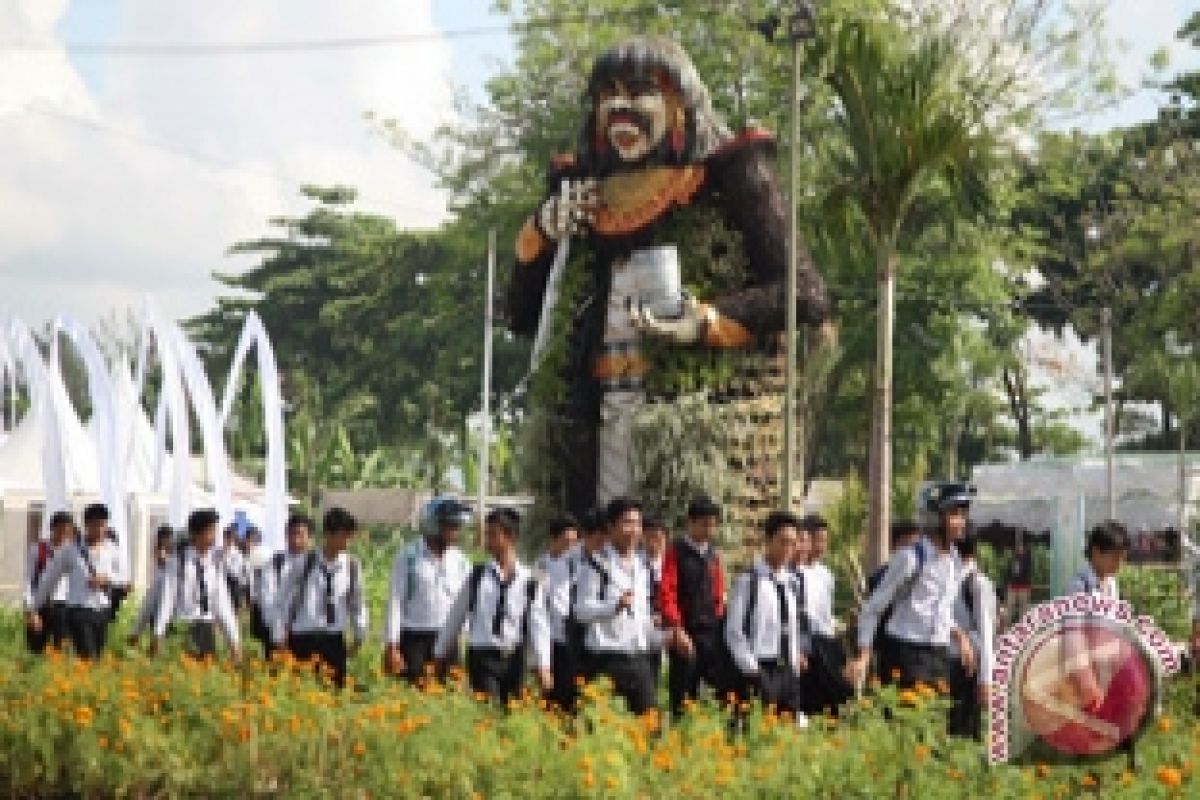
917,153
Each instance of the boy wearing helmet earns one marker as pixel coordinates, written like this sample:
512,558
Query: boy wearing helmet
426,577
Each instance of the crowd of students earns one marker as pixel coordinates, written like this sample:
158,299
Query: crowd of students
613,594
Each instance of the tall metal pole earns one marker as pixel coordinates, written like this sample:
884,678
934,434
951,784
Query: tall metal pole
1183,498
485,423
1109,421
789,397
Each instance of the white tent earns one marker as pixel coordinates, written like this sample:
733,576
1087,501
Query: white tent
1069,495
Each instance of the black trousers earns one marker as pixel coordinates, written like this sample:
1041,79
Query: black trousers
708,665
417,649
261,631
630,674
116,597
913,663
201,641
89,630
328,648
496,673
825,687
55,630
775,684
965,717
565,669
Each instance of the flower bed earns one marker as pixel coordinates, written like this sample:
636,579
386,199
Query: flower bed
171,727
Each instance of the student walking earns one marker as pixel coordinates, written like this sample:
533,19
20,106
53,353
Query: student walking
614,605
765,629
693,607
53,614
321,601
504,611
920,587
195,593
427,576
90,567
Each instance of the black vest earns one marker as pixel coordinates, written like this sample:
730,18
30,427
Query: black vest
697,598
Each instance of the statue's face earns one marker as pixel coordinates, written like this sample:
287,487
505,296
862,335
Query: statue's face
632,116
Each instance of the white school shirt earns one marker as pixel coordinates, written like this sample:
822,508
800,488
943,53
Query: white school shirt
818,598
632,630
59,595
561,573
766,620
234,564
260,571
70,562
183,600
923,612
979,626
1088,582
480,624
423,588
338,582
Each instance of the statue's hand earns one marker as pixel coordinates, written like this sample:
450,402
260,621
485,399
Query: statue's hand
687,329
570,211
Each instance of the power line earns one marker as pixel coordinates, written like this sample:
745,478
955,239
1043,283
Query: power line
194,49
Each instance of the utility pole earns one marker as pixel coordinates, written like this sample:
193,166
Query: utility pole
800,27
1109,421
485,422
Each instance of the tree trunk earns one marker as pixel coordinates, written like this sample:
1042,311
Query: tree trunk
1018,403
880,512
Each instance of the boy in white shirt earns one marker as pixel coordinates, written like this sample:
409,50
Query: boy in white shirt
90,567
427,576
613,601
53,614
765,629
322,600
504,610
195,594
164,539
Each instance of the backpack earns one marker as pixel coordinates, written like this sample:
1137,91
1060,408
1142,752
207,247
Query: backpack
39,565
277,562
473,597
751,604
903,591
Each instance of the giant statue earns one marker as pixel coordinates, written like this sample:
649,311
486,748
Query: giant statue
655,263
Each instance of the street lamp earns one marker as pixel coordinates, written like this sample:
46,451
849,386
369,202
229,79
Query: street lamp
799,27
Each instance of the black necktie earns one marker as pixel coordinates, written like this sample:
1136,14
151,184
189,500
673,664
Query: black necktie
203,586
501,604
801,604
781,590
330,617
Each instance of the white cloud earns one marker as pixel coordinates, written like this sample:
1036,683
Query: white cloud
136,175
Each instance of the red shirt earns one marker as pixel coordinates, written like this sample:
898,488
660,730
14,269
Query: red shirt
668,589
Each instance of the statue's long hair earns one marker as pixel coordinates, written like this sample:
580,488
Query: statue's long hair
694,135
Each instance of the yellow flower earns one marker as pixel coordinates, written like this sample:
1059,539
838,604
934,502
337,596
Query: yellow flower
84,716
1042,770
1088,780
909,698
359,749
921,752
588,780
1164,724
611,782
1169,777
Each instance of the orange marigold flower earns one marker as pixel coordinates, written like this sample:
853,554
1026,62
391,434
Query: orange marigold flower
909,698
1169,777
1089,780
1042,770
1164,724
588,780
921,752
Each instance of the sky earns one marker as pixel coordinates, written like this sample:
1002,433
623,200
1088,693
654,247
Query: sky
125,176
